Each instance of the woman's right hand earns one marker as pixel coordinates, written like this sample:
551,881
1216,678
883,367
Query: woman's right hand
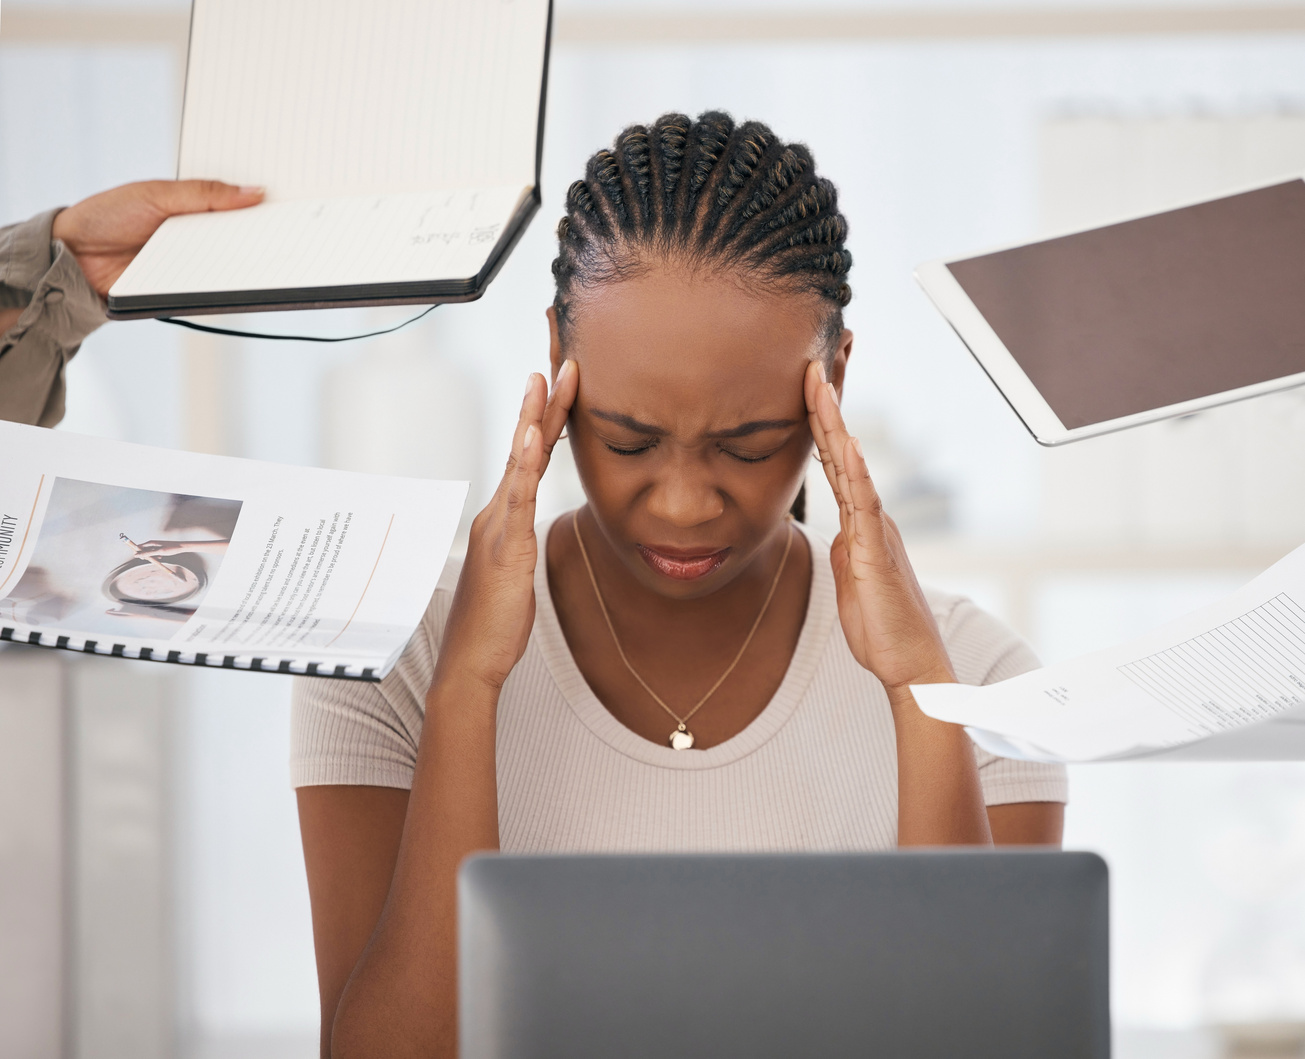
493,608
392,988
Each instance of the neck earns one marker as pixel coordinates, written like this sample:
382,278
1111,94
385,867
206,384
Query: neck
680,648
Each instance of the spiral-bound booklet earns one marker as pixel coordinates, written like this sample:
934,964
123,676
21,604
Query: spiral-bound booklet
399,143
117,549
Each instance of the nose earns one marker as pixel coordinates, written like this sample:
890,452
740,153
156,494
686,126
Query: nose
684,494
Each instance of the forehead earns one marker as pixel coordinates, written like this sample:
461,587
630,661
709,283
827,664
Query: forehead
695,350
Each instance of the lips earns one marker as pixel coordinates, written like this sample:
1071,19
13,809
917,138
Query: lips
683,564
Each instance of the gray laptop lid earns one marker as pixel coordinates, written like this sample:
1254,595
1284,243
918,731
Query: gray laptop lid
937,955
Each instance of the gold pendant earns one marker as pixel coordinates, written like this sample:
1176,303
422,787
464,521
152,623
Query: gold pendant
681,738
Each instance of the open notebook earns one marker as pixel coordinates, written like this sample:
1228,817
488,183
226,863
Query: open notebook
399,142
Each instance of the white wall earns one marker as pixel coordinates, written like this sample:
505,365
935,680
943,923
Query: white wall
246,929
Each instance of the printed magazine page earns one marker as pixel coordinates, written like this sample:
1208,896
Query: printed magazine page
119,549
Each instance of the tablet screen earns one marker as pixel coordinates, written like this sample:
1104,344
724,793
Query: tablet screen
1152,312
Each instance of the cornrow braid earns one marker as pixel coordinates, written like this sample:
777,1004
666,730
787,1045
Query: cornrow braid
708,192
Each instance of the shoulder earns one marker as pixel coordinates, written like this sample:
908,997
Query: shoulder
983,649
348,732
441,600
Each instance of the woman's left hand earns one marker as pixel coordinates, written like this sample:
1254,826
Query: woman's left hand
885,617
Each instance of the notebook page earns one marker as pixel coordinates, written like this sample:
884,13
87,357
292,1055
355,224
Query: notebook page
334,98
324,243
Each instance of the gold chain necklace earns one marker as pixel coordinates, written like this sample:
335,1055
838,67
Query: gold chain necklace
681,738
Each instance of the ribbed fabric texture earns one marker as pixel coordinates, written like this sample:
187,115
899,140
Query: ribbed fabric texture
817,770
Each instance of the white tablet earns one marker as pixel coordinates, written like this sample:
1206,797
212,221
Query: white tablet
1152,317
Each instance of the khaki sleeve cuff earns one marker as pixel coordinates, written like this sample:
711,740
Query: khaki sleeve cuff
72,309
42,274
25,256
41,277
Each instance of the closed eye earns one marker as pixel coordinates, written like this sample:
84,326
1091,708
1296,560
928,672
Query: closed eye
746,459
635,451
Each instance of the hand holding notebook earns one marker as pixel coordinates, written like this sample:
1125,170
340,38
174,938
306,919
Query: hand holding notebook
398,141
105,232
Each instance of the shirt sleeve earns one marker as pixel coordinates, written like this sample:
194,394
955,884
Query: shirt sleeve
345,732
40,275
983,650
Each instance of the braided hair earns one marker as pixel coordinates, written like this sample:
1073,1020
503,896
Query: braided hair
705,193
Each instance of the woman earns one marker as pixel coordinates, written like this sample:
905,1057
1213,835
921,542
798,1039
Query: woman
686,668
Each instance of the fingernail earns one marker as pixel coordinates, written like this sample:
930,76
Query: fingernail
566,367
252,189
856,444
530,384
833,394
529,440
821,365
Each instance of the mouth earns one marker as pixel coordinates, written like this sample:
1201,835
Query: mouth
683,564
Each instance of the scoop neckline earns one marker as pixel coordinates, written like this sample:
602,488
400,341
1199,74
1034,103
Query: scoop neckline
595,716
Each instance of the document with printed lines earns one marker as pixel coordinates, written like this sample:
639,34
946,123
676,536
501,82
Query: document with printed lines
130,551
1228,671
398,140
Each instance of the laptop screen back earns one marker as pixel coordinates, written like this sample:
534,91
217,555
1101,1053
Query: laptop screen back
926,954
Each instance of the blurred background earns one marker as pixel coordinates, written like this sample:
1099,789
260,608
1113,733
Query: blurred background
152,894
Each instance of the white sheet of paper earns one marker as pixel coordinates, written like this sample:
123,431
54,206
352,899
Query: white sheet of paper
297,566
1236,663
324,243
335,98
393,137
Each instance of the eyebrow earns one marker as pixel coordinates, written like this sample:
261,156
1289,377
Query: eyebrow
755,426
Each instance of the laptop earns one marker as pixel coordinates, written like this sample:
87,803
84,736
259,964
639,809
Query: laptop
930,954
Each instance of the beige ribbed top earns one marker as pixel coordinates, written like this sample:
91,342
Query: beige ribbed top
817,769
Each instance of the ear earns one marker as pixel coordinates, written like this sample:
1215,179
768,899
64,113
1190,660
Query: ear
554,344
838,368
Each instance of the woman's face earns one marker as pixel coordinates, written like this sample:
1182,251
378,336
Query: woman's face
689,430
